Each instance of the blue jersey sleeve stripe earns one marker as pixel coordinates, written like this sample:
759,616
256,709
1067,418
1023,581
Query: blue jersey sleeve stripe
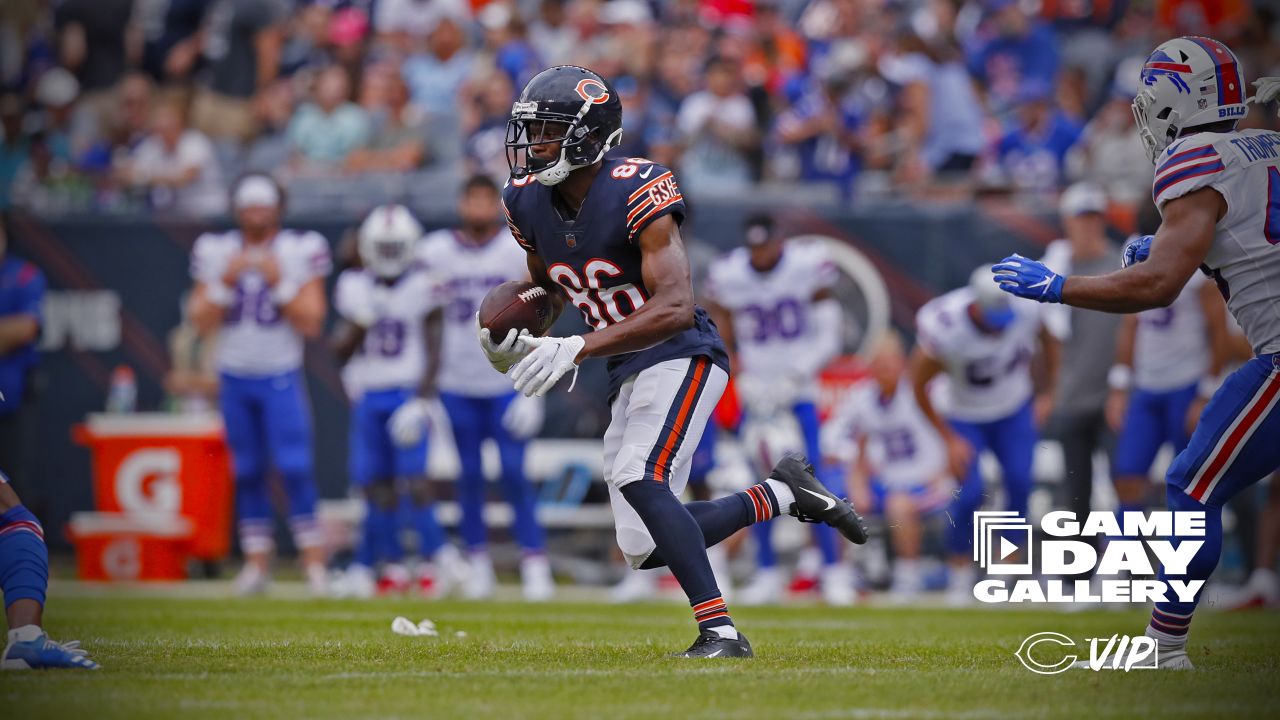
1187,156
1176,177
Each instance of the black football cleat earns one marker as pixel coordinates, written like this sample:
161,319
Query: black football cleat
814,503
710,645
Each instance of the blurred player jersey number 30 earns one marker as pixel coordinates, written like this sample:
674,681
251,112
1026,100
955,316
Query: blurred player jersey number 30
594,256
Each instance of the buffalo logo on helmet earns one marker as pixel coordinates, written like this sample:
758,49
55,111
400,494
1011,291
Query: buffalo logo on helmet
593,91
1161,65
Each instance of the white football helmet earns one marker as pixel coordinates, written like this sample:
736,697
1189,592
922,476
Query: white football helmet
1187,82
387,238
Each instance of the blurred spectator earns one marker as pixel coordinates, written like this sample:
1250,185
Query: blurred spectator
346,35
97,42
1020,52
192,381
551,34
435,76
47,183
717,127
624,43
14,145
486,109
322,133
242,42
941,122
404,23
171,37
21,292
648,126
397,142
778,52
822,127
129,122
1109,153
1032,153
56,93
26,46
505,43
274,108
306,47
1222,19
176,165
1088,343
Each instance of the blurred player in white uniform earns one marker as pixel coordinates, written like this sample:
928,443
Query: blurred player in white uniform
468,262
773,304
1168,362
263,286
1218,192
984,343
894,459
390,338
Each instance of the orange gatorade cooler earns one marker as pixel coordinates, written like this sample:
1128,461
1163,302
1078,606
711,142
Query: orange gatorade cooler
164,464
118,547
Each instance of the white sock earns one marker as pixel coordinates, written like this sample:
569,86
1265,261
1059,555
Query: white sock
27,633
783,493
728,632
1167,641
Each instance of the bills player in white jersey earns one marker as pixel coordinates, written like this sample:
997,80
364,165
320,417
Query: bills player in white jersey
469,261
773,304
262,287
1167,359
390,340
984,343
1218,192
894,459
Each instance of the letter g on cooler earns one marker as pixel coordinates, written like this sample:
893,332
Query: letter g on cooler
1028,646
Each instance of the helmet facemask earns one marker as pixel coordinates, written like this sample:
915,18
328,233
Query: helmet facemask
580,145
388,256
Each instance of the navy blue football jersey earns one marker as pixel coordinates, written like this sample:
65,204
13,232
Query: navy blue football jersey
595,257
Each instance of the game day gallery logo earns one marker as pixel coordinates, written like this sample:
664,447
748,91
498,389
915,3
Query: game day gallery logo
1022,568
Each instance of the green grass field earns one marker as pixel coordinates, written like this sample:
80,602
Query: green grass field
189,656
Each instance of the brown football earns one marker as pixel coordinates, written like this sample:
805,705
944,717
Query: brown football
516,305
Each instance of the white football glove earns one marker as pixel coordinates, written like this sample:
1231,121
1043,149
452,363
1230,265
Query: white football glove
523,417
409,421
1268,90
362,315
548,361
504,354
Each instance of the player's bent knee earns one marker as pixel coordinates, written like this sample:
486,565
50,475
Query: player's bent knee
627,467
636,546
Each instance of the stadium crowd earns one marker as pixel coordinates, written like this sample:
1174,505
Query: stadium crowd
126,105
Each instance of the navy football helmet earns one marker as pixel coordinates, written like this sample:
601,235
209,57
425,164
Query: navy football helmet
565,104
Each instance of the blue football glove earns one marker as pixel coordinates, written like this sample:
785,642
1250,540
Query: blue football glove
1029,279
1137,250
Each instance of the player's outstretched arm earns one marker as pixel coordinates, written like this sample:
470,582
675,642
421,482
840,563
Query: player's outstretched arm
669,309
1180,246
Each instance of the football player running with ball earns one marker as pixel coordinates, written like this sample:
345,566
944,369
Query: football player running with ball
605,234
1218,191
